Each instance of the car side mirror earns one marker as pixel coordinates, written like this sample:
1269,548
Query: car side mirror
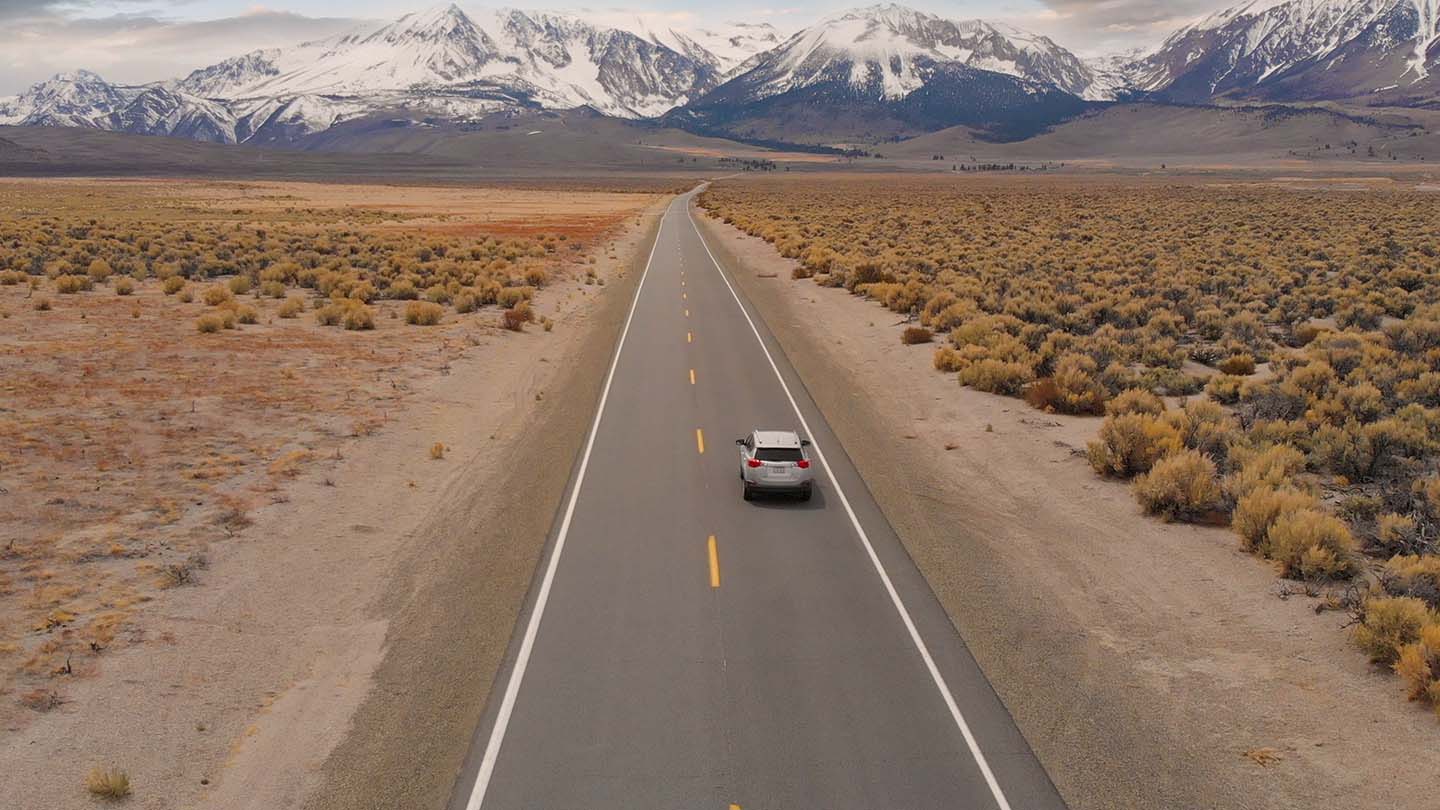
804,442
739,442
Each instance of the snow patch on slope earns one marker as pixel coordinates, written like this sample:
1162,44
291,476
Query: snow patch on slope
1427,36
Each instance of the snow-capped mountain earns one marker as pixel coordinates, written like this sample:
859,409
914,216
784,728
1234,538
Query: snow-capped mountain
723,47
76,99
1299,49
879,72
890,71
894,47
551,60
83,99
440,61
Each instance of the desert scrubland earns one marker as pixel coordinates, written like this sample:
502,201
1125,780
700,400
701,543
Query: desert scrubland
181,359
1254,355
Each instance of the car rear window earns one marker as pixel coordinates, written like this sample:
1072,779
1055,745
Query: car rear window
779,454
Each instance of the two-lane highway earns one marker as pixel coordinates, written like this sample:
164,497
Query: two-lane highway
686,649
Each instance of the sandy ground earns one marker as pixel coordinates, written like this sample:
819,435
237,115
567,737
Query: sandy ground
1149,665
487,211
237,691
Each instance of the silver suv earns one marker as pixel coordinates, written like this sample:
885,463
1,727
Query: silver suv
775,461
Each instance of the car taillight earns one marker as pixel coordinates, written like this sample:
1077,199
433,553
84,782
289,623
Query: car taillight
754,462
802,464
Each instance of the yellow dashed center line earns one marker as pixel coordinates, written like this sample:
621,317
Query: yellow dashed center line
700,440
687,313
714,568
689,337
692,376
684,297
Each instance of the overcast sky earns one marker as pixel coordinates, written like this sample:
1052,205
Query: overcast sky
145,40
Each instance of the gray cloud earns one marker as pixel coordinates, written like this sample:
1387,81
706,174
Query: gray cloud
1130,15
141,48
1093,27
39,10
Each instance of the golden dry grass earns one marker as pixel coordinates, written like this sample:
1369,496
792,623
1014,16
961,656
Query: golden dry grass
108,783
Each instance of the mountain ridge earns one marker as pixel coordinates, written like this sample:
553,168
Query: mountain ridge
904,71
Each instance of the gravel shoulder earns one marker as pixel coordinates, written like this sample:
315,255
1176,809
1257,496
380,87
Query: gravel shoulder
1149,665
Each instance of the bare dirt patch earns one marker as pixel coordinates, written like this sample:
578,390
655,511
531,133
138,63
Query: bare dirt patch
1146,663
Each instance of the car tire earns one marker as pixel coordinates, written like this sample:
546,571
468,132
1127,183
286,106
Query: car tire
749,493
805,493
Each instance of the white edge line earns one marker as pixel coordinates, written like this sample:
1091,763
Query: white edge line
869,548
522,658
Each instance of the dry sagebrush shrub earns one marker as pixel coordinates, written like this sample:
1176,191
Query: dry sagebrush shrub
511,297
1398,533
1415,575
1270,467
948,360
99,270
515,318
292,307
1225,388
209,323
1073,388
1418,664
916,335
423,313
1182,486
1135,400
1130,444
108,783
71,284
1310,544
1206,427
1240,365
240,285
216,295
1258,509
348,313
357,317
1390,623
997,376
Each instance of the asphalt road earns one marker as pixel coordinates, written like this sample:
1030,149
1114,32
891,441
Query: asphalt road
683,648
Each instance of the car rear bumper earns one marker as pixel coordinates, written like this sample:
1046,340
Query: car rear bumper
784,487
